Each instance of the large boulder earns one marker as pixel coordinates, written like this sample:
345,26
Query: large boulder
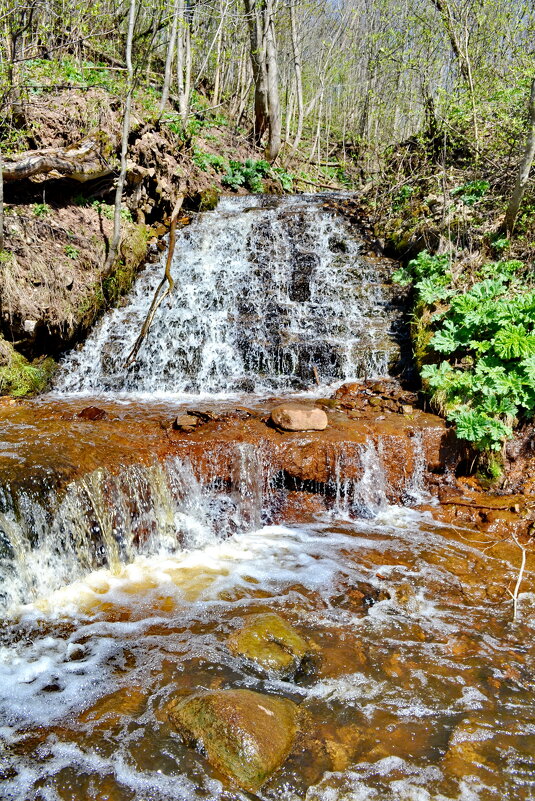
299,418
271,643
244,734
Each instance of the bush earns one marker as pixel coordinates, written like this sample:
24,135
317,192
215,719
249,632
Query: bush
487,332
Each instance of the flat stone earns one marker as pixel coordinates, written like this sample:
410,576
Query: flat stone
244,734
299,418
186,422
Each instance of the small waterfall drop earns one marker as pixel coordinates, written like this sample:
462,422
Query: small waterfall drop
269,293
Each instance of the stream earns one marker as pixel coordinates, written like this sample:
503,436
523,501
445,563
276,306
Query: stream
132,553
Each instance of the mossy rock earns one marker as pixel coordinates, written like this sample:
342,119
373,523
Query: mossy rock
244,734
203,200
273,645
18,376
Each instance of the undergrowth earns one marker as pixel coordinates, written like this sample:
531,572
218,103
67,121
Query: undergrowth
480,344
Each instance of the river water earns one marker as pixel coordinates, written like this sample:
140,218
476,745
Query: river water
125,570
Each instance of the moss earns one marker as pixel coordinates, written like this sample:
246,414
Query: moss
203,200
18,376
421,335
490,469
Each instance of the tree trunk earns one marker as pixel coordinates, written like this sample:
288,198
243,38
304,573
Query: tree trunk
1,202
463,57
81,162
524,169
169,59
298,78
183,61
272,71
258,63
124,141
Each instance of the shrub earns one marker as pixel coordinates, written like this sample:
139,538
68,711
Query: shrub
486,331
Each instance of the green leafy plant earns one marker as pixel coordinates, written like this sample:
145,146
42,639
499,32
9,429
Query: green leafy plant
205,161
41,209
286,178
402,196
248,174
487,382
71,252
471,192
104,209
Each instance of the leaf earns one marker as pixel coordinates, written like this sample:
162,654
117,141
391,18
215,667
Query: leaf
512,342
446,339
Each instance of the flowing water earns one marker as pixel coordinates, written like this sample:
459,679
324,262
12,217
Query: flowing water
125,569
266,293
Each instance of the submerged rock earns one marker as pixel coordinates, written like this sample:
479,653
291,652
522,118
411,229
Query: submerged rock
299,418
244,734
271,643
92,413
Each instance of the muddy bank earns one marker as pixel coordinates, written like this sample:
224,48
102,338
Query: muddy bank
53,284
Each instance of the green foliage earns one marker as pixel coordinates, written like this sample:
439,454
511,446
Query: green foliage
471,192
205,161
41,209
103,208
248,174
286,178
71,252
402,196
430,276
487,334
107,210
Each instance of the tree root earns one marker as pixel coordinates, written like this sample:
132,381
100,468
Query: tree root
159,295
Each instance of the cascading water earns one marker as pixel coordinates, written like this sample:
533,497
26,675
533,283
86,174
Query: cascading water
270,294
125,563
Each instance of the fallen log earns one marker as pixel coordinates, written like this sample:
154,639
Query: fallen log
82,161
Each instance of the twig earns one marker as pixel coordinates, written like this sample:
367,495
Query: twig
321,186
159,296
514,594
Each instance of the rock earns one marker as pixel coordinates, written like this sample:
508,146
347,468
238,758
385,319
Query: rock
92,413
271,643
299,418
75,651
186,422
244,734
406,409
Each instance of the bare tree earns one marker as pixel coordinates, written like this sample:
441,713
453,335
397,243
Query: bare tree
263,52
169,58
114,246
525,167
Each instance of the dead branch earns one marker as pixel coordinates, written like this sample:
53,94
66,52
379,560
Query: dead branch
81,162
159,295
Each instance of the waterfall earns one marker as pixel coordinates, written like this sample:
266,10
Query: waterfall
269,293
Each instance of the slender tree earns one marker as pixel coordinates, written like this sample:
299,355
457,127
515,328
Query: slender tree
525,167
114,246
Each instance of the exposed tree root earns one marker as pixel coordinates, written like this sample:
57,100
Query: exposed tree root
161,293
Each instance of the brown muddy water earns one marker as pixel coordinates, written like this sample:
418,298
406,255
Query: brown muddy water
423,687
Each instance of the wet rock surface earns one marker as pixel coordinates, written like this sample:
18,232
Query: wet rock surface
246,735
298,418
271,643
